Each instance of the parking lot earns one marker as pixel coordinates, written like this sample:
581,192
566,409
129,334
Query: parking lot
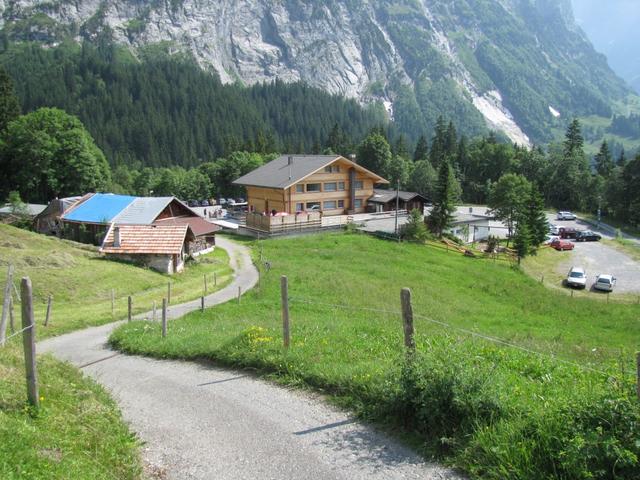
597,258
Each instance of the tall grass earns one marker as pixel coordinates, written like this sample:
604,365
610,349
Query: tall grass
497,412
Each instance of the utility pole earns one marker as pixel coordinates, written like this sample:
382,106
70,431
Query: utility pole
397,208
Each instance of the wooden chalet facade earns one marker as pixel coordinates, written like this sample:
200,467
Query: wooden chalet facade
332,185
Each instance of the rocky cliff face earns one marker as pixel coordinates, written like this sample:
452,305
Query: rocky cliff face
519,66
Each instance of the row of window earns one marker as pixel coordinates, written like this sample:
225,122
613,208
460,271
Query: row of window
327,205
328,187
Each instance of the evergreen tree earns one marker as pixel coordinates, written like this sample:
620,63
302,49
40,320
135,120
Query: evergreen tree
451,141
574,142
444,204
604,162
399,170
622,159
438,152
535,217
422,149
522,239
400,147
9,105
415,229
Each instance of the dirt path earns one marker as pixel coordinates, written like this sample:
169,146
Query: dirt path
201,422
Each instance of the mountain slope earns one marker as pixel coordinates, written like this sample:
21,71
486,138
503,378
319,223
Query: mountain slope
520,66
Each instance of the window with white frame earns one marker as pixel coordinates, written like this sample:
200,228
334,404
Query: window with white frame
299,207
314,187
330,187
340,203
300,188
341,186
358,185
357,203
330,205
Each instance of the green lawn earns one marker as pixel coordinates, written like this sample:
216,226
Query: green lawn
78,432
81,281
498,412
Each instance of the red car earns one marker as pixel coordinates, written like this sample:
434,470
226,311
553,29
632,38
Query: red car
560,245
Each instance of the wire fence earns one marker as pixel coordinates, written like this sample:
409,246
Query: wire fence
553,357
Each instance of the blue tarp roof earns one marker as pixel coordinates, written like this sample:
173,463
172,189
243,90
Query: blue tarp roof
100,208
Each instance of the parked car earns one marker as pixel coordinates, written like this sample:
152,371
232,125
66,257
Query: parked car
576,278
565,216
554,230
222,201
588,236
567,232
550,239
561,245
605,282
240,200
192,203
205,203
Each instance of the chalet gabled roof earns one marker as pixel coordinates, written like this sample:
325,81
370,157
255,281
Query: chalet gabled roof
142,211
386,196
281,174
146,239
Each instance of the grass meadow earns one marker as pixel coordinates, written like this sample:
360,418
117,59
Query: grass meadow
560,403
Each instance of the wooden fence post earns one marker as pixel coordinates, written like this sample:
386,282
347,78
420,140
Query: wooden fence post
169,293
202,303
215,279
407,319
48,316
12,325
29,342
5,305
154,310
239,294
284,295
113,303
129,308
205,283
164,318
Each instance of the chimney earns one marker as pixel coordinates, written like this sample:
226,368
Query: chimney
290,163
352,157
116,237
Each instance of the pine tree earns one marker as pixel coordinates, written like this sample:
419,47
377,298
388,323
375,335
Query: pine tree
536,218
622,159
445,199
604,162
438,151
522,239
9,105
422,149
574,142
415,229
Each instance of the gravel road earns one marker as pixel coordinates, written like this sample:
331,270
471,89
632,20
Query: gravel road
201,422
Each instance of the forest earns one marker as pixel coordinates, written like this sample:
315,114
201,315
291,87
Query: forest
97,120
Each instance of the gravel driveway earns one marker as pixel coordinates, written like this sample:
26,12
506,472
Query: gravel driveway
596,258
201,422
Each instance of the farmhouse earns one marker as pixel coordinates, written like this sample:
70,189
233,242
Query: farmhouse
290,184
161,247
47,222
90,219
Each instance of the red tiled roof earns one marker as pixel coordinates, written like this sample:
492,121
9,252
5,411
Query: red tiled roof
147,239
199,226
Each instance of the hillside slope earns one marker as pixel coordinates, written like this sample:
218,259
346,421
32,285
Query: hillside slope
520,66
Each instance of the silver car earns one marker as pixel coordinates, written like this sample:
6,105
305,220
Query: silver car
577,278
605,282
